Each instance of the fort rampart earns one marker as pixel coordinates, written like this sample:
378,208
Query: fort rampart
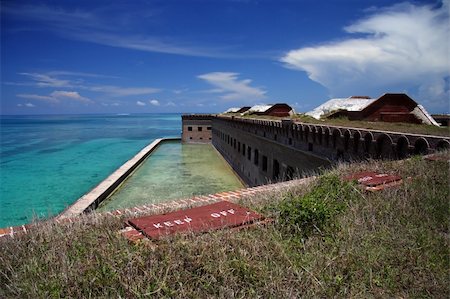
261,151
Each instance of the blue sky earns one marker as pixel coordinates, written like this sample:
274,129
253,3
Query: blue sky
60,57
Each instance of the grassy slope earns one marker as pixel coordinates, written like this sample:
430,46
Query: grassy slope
327,240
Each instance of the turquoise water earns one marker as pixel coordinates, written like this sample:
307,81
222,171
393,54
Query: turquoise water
175,171
48,162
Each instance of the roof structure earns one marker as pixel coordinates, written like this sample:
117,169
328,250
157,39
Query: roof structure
260,108
354,103
232,110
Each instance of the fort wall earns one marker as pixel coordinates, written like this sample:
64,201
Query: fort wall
262,151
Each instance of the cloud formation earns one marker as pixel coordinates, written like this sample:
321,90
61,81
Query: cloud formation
154,102
398,47
231,88
53,79
97,27
57,96
139,103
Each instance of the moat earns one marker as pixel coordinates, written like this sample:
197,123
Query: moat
174,171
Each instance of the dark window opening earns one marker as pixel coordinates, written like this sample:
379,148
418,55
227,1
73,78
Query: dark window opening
243,149
201,138
264,163
189,128
290,141
290,173
249,153
275,137
276,170
208,128
256,157
310,147
200,129
239,147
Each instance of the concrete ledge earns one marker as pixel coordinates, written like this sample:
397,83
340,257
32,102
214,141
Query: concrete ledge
92,199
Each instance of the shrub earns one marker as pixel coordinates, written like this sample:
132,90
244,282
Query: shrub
314,211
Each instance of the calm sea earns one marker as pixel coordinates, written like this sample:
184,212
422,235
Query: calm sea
48,162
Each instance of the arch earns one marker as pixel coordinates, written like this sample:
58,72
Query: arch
306,133
313,133
300,132
368,140
327,136
443,145
356,141
346,140
384,146
335,137
421,146
402,147
320,135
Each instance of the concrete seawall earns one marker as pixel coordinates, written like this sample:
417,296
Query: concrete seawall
92,199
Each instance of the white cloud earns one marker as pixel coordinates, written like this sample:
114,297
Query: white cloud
139,103
171,104
95,27
154,102
231,88
52,79
44,80
28,105
38,97
117,91
69,95
57,96
403,46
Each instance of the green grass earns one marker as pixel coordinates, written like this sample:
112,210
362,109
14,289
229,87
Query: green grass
329,239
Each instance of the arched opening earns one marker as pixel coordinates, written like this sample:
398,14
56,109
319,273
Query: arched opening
327,137
276,170
356,141
421,147
313,131
368,139
346,140
335,137
306,133
384,147
443,145
319,135
402,147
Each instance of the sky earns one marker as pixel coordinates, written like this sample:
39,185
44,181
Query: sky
144,56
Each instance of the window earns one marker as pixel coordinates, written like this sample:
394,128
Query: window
239,147
234,143
264,163
200,129
190,138
290,141
208,128
243,149
189,128
276,170
249,153
256,157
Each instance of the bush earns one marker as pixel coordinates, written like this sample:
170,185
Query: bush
314,211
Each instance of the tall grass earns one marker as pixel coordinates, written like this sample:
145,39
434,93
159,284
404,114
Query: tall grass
329,239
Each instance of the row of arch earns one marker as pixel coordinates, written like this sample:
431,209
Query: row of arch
344,141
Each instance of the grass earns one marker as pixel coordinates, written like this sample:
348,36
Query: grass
382,126
328,239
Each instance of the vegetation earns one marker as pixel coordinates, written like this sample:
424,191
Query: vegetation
329,239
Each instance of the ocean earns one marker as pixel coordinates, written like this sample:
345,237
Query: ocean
48,162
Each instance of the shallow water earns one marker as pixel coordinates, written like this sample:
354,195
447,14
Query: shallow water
175,171
48,162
